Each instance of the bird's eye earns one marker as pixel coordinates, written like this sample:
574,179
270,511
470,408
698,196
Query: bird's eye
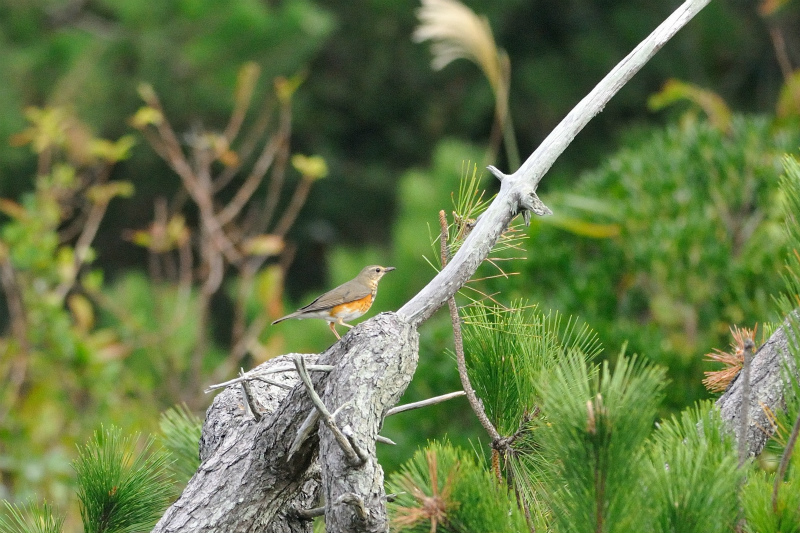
378,270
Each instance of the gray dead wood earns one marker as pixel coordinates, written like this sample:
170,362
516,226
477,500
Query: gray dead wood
247,482
768,379
244,483
368,383
518,190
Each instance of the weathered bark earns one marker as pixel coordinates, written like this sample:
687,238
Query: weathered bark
369,383
768,380
247,481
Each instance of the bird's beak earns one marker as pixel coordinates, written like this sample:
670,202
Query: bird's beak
388,269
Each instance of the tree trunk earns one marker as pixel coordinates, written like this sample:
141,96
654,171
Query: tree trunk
248,482
768,379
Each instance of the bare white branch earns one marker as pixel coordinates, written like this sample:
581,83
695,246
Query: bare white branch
518,190
425,403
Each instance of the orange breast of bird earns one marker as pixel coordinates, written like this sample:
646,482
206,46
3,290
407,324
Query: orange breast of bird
350,310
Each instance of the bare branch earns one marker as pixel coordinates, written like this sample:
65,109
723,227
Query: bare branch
252,181
90,228
425,403
744,416
474,402
260,373
518,190
248,396
293,209
354,456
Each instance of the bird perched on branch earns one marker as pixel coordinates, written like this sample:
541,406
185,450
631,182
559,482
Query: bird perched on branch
345,302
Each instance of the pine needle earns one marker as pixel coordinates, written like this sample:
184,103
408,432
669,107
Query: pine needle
718,380
35,518
121,490
181,431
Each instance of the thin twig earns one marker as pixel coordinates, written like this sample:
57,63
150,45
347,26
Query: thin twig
244,288
251,406
293,209
251,183
425,403
744,412
352,456
474,402
306,428
348,432
356,502
15,301
251,139
385,440
241,104
258,374
19,327
271,382
264,216
242,345
90,228
310,514
779,44
784,464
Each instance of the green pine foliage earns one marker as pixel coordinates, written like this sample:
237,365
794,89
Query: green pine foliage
446,489
790,187
789,300
765,510
692,473
35,518
508,349
180,435
760,514
121,489
699,242
593,426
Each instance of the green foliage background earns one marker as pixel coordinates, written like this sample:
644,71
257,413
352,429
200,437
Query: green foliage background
694,244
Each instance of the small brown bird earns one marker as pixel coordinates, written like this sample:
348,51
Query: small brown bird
345,302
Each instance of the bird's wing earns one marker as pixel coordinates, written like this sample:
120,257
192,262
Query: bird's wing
349,292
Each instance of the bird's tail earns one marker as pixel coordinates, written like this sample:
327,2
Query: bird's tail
281,319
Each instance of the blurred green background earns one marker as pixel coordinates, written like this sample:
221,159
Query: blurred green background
666,229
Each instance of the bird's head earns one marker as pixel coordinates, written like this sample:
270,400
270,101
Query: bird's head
370,275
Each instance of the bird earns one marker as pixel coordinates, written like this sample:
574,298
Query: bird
346,302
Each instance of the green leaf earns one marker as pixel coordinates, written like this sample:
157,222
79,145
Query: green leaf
102,194
718,112
312,167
